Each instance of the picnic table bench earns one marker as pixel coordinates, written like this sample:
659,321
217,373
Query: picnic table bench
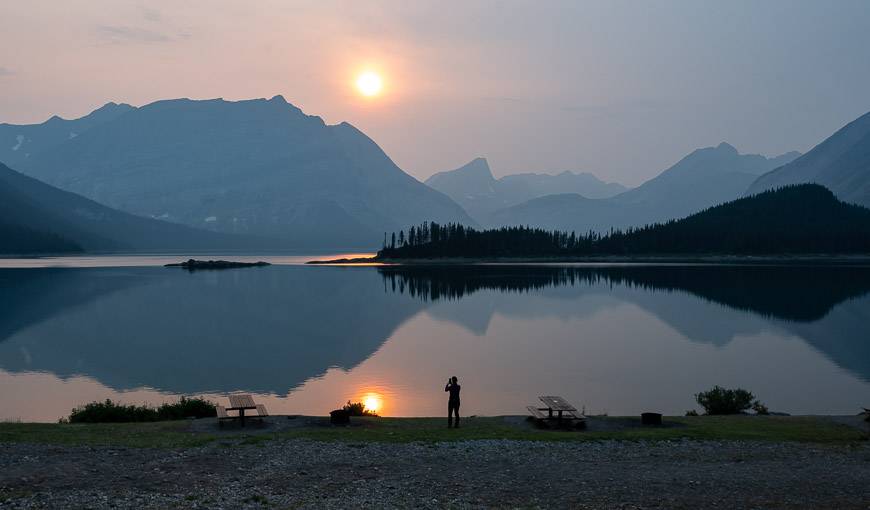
222,413
558,405
240,404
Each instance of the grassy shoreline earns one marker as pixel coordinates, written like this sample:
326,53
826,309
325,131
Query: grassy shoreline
194,433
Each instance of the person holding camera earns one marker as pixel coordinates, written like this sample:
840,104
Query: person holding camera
453,402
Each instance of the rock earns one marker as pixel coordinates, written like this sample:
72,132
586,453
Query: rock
192,264
651,418
339,417
304,473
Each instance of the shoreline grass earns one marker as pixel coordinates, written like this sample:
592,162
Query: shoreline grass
179,434
161,434
768,428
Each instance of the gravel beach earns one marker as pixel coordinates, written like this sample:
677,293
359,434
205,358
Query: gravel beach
298,473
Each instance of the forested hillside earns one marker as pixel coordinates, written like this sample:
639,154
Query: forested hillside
799,219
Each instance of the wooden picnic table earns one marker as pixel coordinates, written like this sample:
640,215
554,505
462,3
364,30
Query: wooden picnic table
557,404
241,403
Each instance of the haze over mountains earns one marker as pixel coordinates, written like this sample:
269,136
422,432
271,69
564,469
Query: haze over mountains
474,188
704,178
277,178
38,218
19,142
841,163
795,219
259,167
801,218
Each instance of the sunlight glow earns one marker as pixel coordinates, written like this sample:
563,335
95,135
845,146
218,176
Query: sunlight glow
372,403
369,84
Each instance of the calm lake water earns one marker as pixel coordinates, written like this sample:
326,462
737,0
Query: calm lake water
614,339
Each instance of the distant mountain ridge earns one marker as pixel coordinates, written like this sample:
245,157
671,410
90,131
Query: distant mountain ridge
799,219
841,163
36,218
475,188
257,167
795,219
704,178
19,141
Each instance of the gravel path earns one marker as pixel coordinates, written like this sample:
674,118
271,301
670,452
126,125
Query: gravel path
309,474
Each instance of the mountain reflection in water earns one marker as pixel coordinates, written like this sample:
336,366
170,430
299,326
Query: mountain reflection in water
278,330
783,292
794,298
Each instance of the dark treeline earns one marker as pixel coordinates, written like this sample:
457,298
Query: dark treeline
795,293
435,283
798,219
452,240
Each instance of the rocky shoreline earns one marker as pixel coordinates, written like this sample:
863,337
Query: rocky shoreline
299,473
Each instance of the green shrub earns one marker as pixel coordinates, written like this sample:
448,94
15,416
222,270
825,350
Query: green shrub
357,409
187,408
760,408
113,412
722,401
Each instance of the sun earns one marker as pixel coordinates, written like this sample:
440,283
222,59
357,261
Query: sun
372,403
369,84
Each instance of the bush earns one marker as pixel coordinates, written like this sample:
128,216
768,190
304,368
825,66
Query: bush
722,401
113,412
187,408
760,408
691,412
357,409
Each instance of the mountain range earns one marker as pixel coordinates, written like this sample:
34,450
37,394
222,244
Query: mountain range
704,178
274,177
38,218
841,163
19,142
474,188
795,219
800,218
257,167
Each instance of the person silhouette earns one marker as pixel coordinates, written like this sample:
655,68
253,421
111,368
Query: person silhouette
453,402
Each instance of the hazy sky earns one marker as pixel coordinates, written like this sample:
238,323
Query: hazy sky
620,89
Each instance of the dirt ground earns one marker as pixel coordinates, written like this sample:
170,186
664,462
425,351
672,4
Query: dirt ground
296,473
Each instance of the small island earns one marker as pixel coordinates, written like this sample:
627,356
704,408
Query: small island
193,264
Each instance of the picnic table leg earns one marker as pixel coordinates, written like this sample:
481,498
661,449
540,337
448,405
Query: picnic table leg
242,417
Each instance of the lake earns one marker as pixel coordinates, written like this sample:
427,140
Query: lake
616,339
